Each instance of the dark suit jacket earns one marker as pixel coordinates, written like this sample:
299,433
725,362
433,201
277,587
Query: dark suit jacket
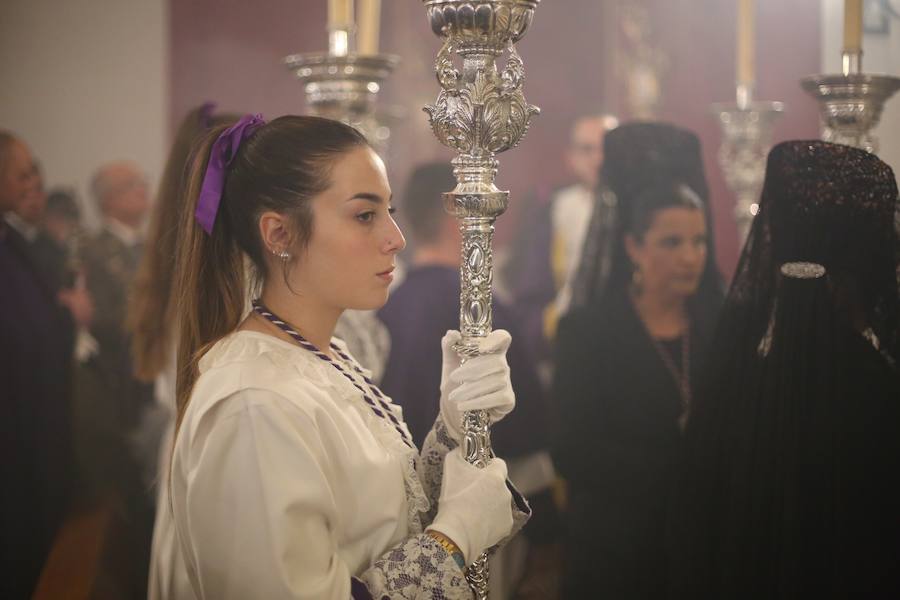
111,266
50,257
35,426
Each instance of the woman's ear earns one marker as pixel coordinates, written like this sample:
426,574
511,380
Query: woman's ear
274,232
634,249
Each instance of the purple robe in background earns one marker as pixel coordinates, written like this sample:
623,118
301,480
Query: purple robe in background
35,419
418,314
529,273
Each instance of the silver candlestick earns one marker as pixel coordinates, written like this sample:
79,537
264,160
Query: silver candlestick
850,104
343,85
479,113
746,139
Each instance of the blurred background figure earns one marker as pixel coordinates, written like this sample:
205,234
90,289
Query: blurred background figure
793,444
110,399
418,314
36,341
62,218
56,246
548,247
26,218
366,337
628,361
150,321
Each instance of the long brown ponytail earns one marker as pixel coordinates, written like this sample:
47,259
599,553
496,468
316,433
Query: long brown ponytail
209,282
281,167
151,307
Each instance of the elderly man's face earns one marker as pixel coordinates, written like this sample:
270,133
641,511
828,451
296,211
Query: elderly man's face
586,150
126,195
20,181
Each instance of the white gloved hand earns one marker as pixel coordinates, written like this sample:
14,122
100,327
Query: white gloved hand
475,507
482,383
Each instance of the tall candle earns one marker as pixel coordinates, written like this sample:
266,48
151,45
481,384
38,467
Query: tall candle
369,26
340,14
745,39
853,12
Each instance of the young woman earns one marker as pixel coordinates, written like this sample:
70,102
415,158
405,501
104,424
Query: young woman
293,476
627,363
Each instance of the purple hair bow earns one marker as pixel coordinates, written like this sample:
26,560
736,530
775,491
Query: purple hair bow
223,152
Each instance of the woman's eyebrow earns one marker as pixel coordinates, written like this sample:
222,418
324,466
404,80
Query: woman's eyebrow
370,197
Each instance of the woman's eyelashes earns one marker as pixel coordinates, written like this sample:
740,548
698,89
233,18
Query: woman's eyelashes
368,216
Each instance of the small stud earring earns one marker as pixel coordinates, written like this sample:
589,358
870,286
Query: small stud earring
283,255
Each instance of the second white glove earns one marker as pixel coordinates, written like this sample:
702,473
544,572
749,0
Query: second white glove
475,507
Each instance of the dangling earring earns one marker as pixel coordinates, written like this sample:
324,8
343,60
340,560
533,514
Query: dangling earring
284,255
637,281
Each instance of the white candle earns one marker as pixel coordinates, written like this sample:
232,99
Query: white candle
745,42
853,11
369,26
340,14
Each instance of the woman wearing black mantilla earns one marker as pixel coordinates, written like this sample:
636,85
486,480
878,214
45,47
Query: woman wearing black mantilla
792,449
627,360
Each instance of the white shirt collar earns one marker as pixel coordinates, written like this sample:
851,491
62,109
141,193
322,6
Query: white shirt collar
125,234
25,229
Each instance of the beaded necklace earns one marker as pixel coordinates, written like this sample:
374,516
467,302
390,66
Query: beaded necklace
373,396
683,377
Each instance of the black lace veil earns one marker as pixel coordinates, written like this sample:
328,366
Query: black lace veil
792,458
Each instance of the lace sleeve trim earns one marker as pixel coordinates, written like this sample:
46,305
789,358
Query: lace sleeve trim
417,569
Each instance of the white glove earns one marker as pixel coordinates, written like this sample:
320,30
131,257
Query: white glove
482,383
475,507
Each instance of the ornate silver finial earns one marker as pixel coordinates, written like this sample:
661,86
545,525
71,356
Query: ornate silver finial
479,112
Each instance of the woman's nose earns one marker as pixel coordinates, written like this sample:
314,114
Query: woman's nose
395,242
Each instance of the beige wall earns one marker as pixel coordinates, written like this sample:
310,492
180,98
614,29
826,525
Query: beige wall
86,81
881,54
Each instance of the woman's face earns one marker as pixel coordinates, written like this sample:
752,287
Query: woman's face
20,180
672,254
349,259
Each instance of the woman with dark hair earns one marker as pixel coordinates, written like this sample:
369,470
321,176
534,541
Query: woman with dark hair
792,478
292,475
627,362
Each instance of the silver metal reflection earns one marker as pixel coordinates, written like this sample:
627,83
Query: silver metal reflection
746,140
343,85
850,104
479,112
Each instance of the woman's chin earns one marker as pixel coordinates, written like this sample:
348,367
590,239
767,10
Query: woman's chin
371,302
